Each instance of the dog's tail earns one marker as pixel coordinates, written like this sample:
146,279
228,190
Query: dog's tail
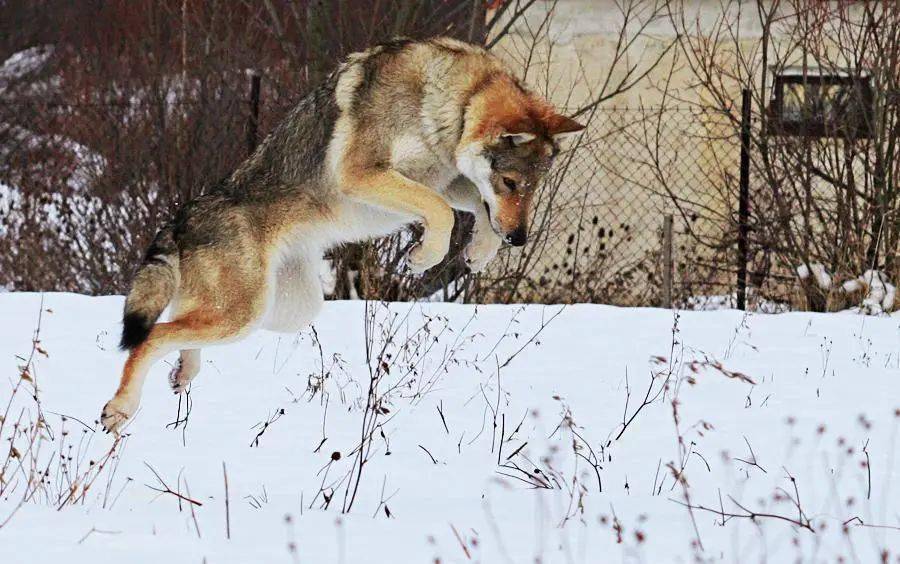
153,287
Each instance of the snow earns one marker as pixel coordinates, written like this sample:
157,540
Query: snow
24,62
879,292
20,74
819,273
755,303
10,200
821,408
86,164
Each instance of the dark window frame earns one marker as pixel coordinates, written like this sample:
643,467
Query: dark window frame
857,123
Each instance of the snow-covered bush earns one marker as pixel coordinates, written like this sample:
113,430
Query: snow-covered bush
877,291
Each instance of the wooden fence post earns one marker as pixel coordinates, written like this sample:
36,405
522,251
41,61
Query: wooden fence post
744,203
668,266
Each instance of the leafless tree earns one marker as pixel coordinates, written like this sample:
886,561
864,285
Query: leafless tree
823,191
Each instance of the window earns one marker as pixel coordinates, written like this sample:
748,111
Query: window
816,103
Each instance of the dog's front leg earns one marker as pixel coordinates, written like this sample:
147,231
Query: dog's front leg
463,195
394,192
484,244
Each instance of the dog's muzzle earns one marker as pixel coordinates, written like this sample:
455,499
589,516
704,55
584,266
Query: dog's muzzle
518,237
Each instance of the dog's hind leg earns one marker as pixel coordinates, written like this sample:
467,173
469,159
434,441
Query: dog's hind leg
298,295
188,364
214,317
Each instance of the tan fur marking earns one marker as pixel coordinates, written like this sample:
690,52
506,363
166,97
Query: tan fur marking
513,211
502,107
196,328
455,44
393,191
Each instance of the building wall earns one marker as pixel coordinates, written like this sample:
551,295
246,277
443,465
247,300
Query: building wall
639,164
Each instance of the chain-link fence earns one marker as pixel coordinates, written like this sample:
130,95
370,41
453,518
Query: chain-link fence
601,232
645,211
640,211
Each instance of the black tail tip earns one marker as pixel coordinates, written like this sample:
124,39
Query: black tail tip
135,330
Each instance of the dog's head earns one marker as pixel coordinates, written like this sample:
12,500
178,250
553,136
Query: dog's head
507,153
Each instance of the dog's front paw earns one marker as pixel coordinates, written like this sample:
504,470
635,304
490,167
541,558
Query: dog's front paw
481,249
116,413
425,256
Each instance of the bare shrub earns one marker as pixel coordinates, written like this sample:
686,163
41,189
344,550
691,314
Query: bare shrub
823,197
126,111
51,459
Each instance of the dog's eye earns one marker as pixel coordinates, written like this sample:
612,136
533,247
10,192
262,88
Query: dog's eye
510,183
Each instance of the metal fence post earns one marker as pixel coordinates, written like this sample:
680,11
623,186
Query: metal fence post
744,202
668,266
253,120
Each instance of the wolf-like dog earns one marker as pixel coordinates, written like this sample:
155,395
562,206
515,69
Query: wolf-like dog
403,132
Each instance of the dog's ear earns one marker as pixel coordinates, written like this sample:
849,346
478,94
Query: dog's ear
517,139
561,127
515,129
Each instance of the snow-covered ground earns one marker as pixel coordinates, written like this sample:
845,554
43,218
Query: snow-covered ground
495,434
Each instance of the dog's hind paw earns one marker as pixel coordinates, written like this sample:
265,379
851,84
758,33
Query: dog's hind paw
116,413
184,371
178,379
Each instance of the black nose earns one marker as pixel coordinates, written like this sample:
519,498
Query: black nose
518,237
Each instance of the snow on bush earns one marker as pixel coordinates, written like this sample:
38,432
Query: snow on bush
819,273
879,292
23,63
